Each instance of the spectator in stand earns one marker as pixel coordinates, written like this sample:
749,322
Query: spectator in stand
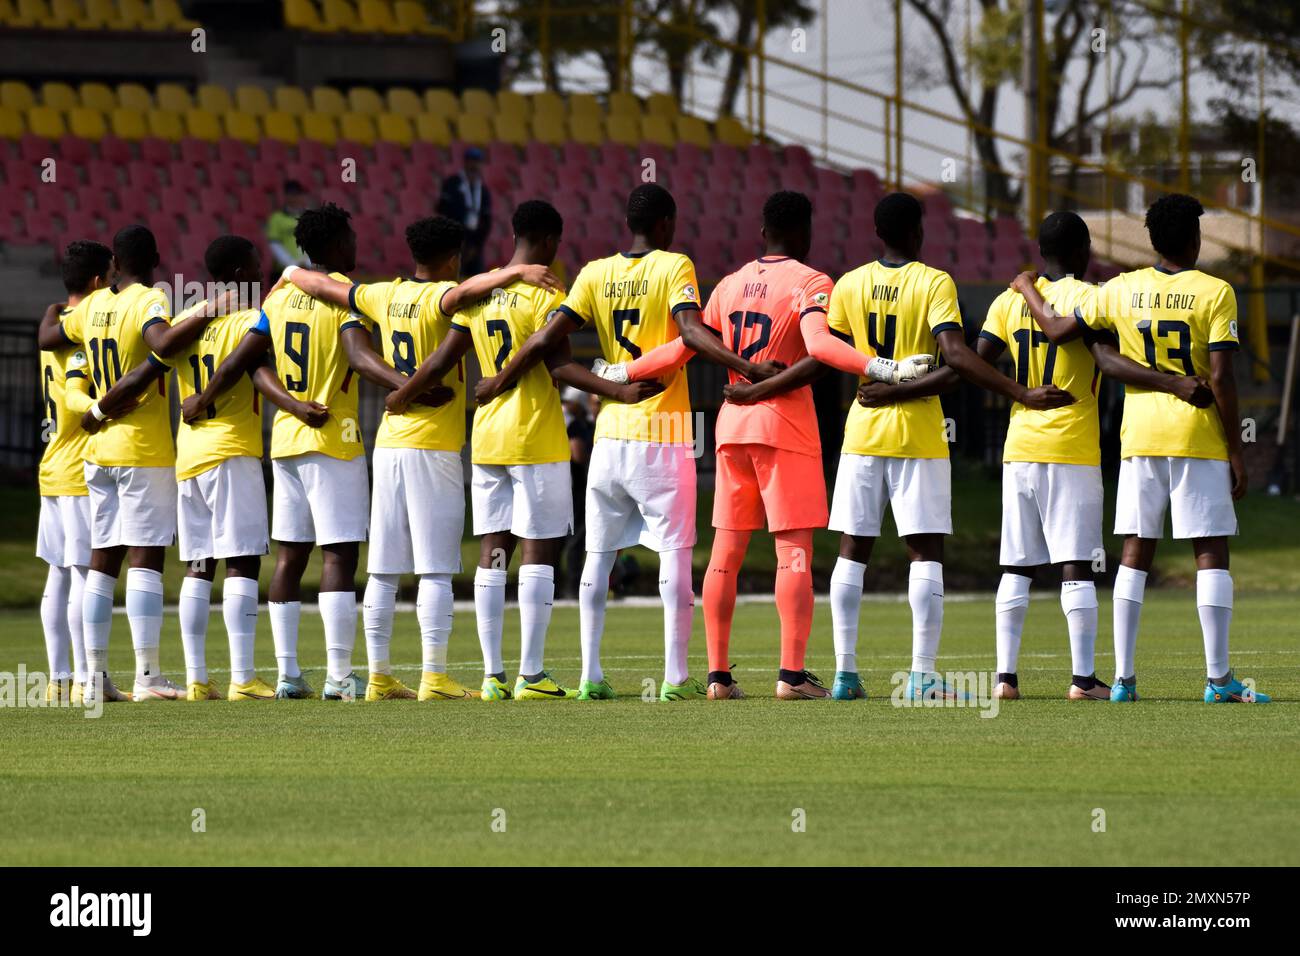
466,199
280,227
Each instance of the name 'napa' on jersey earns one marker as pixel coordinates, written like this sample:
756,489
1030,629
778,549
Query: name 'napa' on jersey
1070,435
630,299
412,325
232,425
110,324
894,310
310,361
1170,322
62,470
525,424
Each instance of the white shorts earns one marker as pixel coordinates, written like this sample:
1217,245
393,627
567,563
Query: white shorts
63,535
640,492
131,506
222,512
917,490
320,499
1051,513
529,501
417,515
1197,492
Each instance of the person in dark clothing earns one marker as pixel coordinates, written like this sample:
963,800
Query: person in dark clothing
466,198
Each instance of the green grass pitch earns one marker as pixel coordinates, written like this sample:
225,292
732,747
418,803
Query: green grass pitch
308,782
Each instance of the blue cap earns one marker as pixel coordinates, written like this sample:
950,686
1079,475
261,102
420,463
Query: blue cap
473,153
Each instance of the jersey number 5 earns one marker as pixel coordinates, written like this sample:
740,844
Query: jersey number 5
626,318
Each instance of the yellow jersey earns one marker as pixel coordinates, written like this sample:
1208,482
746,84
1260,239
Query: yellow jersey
110,325
525,424
1069,435
412,326
309,359
630,299
894,310
62,470
232,426
1171,322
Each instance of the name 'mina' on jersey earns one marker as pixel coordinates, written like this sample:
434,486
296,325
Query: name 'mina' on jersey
110,325
1171,322
232,426
894,310
525,424
757,310
62,470
630,299
309,358
412,325
1069,435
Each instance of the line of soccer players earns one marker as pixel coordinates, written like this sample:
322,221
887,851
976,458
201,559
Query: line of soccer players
115,487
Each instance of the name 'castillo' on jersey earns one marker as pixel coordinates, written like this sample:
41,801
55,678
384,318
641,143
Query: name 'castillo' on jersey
311,362
412,326
630,298
1171,322
1070,435
757,310
894,310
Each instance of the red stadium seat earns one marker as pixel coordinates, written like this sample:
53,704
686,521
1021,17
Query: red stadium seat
234,154
575,156
75,149
34,149
156,151
115,150
195,152
36,228
391,155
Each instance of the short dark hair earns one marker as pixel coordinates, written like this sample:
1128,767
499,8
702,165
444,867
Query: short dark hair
434,238
648,204
225,254
536,219
319,230
787,212
83,262
1061,233
1171,223
897,215
135,249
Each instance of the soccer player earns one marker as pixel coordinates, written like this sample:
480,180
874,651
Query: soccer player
521,486
895,444
1051,473
641,483
418,510
1176,458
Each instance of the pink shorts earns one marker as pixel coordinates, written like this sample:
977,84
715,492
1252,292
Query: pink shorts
757,482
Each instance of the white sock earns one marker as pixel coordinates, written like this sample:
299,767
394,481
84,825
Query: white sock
925,594
846,605
1079,602
285,616
194,606
338,612
1130,584
678,596
97,620
239,611
489,609
1010,607
536,599
76,593
144,613
433,609
593,591
377,614
54,621
1214,606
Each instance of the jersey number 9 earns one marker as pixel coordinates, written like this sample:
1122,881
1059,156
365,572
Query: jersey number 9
297,339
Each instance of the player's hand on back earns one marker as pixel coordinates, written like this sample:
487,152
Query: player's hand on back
1024,280
611,372
1194,390
90,423
542,277
191,409
437,396
485,389
312,414
635,392
765,370
1046,397
739,393
875,395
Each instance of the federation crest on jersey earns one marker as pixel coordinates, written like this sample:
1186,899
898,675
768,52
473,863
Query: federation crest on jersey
688,292
821,299
156,311
77,361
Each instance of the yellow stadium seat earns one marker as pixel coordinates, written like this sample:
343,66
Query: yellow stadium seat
202,124
87,123
510,103
657,129
547,103
281,126
624,104
376,16
137,13
127,123
403,102
320,127
395,128
174,97
67,12
441,101
473,128
585,104
101,13
45,121
301,15
363,99
242,126
693,130
358,127
339,16
587,129
97,96
729,130
165,124
510,129
133,96
16,95
168,13
252,99
411,17
291,99
36,13
433,128
549,130
478,101
11,123
59,95
326,99
213,98
624,129
661,104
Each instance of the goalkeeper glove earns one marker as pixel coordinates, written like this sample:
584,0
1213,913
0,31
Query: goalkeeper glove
892,373
611,373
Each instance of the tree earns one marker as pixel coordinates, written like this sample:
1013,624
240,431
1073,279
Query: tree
781,15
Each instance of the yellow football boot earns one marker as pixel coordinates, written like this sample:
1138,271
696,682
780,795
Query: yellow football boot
255,689
59,690
494,689
544,688
441,687
200,690
387,687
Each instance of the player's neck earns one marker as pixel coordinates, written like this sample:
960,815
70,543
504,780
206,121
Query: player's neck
896,256
125,281
1165,264
778,251
640,245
